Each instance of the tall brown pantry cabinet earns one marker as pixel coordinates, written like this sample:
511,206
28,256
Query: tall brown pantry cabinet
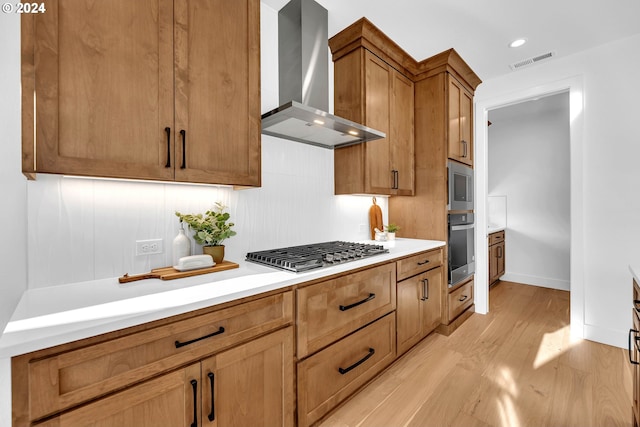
148,89
432,119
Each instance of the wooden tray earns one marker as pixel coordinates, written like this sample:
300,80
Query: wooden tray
170,273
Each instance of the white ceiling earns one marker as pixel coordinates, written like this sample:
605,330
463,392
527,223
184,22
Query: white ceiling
480,30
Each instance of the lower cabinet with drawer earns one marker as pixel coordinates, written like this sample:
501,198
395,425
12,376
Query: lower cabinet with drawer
345,336
418,310
496,256
333,374
230,367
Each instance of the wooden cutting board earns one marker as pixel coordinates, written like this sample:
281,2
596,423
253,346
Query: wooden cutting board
170,273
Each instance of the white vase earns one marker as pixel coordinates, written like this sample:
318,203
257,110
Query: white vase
181,245
391,236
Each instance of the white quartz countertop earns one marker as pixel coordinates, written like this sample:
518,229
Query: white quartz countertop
55,315
495,229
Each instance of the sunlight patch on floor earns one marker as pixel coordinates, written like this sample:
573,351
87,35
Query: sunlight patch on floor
553,344
506,407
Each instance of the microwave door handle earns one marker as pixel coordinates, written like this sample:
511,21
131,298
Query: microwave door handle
461,227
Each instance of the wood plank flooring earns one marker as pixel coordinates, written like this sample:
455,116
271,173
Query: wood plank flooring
515,367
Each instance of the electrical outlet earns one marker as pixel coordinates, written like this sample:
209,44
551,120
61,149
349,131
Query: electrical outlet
149,247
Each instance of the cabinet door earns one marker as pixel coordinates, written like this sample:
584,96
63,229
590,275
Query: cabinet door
419,307
431,300
101,77
164,401
378,175
251,385
401,117
460,114
408,313
500,259
493,263
218,91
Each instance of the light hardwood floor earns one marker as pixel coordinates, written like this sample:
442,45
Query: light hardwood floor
515,367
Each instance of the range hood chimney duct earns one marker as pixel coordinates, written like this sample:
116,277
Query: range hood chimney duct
303,79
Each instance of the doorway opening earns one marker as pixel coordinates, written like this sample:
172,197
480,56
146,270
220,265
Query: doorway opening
574,87
529,188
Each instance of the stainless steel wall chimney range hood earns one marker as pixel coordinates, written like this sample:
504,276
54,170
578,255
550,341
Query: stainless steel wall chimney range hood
303,76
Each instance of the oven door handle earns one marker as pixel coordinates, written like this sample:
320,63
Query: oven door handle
461,227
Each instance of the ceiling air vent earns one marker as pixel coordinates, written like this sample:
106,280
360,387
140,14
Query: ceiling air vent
530,61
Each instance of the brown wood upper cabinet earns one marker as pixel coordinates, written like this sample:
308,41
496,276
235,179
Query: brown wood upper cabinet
151,89
370,91
460,122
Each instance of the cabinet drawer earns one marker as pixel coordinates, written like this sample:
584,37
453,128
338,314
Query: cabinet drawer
330,376
69,378
329,310
460,299
417,264
496,237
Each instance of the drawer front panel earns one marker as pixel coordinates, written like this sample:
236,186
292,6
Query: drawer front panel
418,263
328,311
66,379
330,376
460,299
496,238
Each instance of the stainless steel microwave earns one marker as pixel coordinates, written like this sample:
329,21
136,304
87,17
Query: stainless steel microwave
460,187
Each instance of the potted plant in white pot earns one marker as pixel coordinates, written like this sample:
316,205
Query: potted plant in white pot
391,231
210,230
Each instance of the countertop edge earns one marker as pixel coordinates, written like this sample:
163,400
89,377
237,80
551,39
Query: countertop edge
32,330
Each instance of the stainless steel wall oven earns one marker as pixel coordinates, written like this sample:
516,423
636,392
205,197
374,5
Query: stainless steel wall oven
461,247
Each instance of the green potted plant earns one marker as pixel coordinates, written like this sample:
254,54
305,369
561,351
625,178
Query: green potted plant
210,229
391,231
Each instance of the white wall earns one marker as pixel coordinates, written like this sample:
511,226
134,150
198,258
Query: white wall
606,176
529,165
13,188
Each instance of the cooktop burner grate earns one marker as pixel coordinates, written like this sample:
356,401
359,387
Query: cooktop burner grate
307,257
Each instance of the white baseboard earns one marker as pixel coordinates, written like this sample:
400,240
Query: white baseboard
545,282
610,337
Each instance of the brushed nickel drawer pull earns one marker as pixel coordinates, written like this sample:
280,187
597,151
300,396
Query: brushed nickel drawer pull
355,304
464,297
182,344
358,363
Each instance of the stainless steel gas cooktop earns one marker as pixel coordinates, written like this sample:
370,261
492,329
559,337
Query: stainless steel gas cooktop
307,257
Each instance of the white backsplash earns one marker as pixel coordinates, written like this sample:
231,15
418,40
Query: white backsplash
85,229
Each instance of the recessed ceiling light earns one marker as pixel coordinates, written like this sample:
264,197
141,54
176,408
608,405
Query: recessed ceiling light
517,43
